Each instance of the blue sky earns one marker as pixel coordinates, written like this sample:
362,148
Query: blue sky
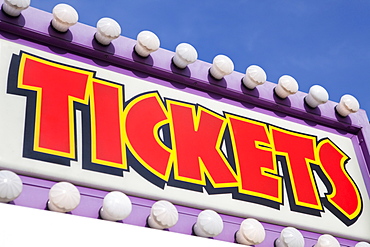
323,42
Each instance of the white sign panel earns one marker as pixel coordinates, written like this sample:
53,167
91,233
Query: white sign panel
67,120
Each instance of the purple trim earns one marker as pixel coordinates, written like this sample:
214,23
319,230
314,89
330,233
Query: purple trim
33,26
35,195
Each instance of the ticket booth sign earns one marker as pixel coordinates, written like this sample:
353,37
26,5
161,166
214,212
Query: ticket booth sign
64,119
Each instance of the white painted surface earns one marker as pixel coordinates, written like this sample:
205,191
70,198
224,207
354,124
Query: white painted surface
21,226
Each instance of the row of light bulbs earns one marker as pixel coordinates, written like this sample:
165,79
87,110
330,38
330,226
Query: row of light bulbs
65,16
65,197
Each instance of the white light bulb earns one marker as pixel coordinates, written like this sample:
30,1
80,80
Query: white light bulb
10,186
64,16
107,30
347,105
209,224
254,76
362,244
290,237
222,65
147,42
116,206
63,197
15,7
251,232
327,240
163,215
316,96
286,86
185,54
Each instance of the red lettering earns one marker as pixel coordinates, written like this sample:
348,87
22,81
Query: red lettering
106,129
144,116
196,140
255,159
57,87
345,195
299,151
196,137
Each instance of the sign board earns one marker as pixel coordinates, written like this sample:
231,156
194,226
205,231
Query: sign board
64,119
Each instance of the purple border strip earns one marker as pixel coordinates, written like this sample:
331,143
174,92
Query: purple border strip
35,195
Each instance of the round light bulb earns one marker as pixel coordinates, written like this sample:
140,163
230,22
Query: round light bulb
286,86
116,206
15,7
347,105
163,215
107,30
254,76
251,232
209,224
64,16
147,42
185,54
327,240
222,65
10,186
290,237
362,244
63,197
316,96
